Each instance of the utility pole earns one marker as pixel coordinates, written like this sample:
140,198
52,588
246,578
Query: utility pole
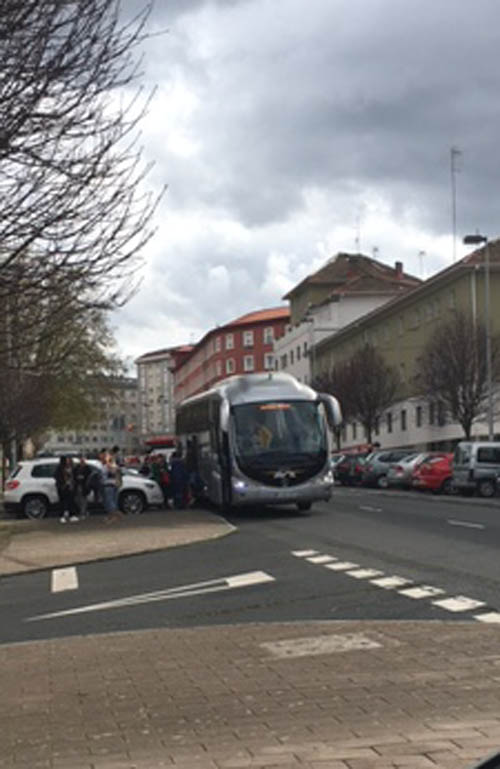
455,153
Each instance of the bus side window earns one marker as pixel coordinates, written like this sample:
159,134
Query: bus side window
214,417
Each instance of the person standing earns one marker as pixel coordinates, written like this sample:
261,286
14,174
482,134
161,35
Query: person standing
81,475
178,479
65,490
110,488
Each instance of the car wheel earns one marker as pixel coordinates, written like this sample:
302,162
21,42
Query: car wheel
304,506
486,488
447,486
35,506
382,482
132,502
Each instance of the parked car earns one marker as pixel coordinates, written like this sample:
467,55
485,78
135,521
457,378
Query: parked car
435,474
376,466
399,473
349,471
476,466
31,489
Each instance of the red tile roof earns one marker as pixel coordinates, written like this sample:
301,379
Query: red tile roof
260,316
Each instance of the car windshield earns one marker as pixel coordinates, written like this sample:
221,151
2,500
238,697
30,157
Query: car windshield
290,428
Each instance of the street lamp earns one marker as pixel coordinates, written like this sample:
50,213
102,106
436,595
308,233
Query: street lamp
475,240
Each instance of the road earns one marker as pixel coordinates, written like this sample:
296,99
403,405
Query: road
367,555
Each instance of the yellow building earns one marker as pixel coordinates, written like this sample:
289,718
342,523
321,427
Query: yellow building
400,329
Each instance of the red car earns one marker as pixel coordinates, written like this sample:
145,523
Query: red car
436,475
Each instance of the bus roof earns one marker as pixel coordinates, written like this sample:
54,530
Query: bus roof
251,388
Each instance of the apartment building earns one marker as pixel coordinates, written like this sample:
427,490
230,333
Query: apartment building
347,287
244,345
399,330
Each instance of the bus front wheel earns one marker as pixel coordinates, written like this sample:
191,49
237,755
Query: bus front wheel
304,506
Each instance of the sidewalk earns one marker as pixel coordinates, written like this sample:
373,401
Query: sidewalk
337,695
375,695
32,545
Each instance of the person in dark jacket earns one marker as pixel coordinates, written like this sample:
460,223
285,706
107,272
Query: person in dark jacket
178,479
65,490
81,476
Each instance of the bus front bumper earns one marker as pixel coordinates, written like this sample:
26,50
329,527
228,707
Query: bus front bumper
245,492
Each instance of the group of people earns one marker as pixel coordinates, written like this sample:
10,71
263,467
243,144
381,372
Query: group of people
74,483
179,479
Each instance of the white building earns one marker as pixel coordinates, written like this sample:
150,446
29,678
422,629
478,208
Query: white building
346,288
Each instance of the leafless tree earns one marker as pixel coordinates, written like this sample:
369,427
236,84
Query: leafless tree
74,211
365,385
452,369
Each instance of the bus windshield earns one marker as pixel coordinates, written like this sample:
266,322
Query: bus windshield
291,428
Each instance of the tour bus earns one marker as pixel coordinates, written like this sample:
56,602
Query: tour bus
260,439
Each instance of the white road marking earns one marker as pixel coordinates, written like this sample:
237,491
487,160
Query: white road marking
252,578
321,559
198,588
388,583
341,566
425,591
324,644
459,603
365,573
64,579
370,509
304,553
466,524
492,616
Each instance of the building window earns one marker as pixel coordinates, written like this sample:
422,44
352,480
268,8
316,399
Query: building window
218,368
298,353
402,372
229,341
248,339
344,434
431,413
305,349
389,421
377,426
403,419
354,430
230,366
291,357
418,416
217,344
284,361
441,415
248,364
268,335
268,361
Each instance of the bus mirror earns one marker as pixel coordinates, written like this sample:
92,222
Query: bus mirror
224,416
332,410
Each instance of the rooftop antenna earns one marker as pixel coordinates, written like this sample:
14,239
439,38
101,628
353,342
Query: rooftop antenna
455,154
421,255
375,252
357,240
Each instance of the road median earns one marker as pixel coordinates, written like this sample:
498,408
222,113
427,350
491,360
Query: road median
27,546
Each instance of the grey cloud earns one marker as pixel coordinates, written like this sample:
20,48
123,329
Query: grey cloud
378,99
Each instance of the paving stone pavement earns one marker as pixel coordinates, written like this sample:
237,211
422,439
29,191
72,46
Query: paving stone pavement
337,695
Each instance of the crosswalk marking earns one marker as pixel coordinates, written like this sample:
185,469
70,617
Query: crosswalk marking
303,553
390,582
459,603
365,573
341,566
321,559
424,591
64,579
491,616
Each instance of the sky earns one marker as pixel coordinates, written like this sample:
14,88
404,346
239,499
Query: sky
290,130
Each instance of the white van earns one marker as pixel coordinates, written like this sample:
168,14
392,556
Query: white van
476,466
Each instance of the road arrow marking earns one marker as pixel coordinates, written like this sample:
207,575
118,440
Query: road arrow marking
198,588
466,524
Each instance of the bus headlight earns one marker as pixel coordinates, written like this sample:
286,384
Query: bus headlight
239,485
328,477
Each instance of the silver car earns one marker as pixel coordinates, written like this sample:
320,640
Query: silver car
399,474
